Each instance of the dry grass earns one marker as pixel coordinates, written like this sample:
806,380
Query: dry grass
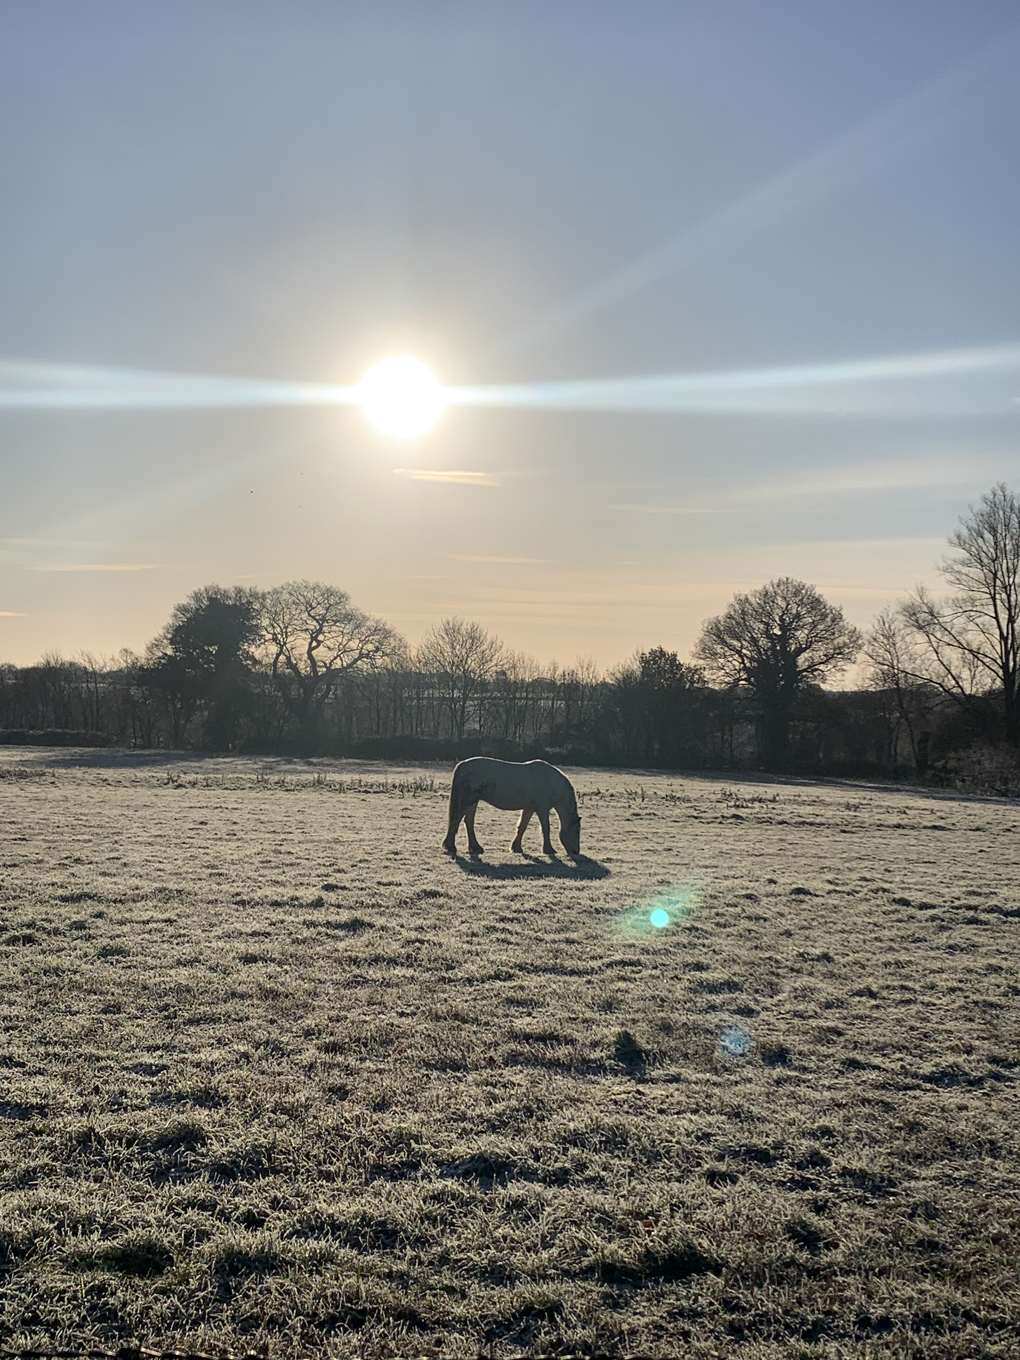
274,1070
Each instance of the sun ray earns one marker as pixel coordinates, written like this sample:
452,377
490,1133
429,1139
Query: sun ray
920,115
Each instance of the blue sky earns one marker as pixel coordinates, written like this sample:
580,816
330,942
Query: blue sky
518,194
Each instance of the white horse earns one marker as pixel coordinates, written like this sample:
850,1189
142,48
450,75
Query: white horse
534,786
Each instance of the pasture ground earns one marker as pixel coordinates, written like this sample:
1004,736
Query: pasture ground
275,1071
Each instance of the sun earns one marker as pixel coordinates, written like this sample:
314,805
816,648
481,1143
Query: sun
401,397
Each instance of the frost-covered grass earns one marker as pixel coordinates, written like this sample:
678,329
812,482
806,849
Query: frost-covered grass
273,1069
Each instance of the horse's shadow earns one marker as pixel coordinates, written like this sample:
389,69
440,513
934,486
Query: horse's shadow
533,867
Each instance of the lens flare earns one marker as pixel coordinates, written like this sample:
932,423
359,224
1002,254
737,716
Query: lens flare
401,397
672,907
734,1042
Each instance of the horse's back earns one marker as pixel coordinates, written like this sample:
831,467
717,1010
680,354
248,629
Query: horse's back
511,784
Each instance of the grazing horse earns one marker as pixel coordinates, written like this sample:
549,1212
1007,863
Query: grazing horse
534,786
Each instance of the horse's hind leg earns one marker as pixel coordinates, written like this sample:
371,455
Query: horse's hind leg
457,810
547,845
522,826
469,821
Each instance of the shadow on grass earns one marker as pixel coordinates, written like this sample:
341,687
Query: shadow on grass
530,866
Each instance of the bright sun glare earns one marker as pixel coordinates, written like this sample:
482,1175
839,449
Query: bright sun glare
401,397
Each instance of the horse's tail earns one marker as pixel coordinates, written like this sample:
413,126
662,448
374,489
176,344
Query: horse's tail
456,807
455,789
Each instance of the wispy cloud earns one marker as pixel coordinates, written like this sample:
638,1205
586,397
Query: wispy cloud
12,614
890,475
99,566
33,386
665,509
57,544
801,485
468,557
884,385
456,475
983,382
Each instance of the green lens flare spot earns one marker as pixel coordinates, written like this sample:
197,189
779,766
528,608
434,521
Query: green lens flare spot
671,906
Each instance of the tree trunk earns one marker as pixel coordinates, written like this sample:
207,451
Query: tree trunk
777,713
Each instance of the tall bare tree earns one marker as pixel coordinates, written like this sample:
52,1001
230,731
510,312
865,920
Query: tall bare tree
312,636
776,640
515,694
574,699
969,644
462,657
895,671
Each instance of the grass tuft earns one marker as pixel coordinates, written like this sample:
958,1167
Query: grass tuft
629,1052
142,1254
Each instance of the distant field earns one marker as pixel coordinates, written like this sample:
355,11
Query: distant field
274,1070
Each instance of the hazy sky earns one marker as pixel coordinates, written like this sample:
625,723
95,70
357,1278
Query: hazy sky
515,193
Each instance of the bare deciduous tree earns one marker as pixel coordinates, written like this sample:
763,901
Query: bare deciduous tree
891,648
516,681
969,644
313,635
462,657
776,640
577,687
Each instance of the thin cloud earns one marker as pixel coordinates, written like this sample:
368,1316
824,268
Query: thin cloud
12,614
100,566
815,483
30,386
456,475
53,543
665,509
467,557
900,475
884,385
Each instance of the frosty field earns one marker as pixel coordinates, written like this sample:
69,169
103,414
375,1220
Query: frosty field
273,1070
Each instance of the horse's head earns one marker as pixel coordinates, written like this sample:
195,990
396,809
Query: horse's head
570,835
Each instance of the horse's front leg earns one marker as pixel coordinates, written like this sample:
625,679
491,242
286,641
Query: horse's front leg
469,821
547,845
522,826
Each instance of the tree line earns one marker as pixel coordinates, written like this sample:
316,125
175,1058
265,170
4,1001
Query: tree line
301,669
